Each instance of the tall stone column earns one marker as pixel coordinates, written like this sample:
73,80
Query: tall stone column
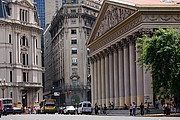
95,81
92,80
140,81
133,86
121,75
126,72
111,77
17,47
148,91
116,83
99,79
103,92
107,77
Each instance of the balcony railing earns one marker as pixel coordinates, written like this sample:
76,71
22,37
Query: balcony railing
73,88
23,84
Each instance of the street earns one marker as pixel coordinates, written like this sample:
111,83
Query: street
79,117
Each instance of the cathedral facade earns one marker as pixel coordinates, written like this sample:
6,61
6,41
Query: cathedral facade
115,75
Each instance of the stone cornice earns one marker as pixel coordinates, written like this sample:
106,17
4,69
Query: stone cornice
138,24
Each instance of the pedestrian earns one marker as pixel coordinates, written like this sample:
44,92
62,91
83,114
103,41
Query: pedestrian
157,104
105,108
112,106
130,109
142,108
147,107
109,105
173,107
96,109
134,109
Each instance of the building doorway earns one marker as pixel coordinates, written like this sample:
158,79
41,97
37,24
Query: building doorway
75,100
24,98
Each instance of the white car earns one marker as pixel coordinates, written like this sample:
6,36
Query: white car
69,110
85,107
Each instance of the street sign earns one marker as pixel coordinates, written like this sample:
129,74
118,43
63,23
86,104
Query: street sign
56,93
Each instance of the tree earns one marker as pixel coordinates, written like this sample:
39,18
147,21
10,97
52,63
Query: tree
160,54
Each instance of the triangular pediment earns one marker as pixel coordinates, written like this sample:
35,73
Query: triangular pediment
110,15
26,3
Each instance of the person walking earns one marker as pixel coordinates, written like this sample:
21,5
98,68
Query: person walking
96,109
134,109
130,109
104,110
142,109
157,104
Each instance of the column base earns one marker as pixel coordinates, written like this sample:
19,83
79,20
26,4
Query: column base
134,99
140,99
127,100
121,101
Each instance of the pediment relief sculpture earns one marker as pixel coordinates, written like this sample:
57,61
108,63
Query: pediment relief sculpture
26,3
113,16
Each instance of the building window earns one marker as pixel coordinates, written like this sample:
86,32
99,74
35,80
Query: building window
73,31
11,94
73,21
36,43
10,57
24,41
25,76
74,50
74,82
36,60
10,76
23,15
74,61
74,70
73,41
24,59
9,38
73,10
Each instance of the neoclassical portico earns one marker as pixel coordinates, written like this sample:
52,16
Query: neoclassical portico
116,76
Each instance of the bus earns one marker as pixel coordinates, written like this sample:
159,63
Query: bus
48,106
7,105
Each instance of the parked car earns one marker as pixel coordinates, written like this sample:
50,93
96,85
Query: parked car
69,110
85,107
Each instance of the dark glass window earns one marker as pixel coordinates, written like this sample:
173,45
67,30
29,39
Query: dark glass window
10,76
9,38
73,41
73,31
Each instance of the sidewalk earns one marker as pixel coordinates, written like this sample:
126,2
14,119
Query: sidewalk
152,113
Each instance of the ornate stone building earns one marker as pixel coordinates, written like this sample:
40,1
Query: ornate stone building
20,48
67,72
116,77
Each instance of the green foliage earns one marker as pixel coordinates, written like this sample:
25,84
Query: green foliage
161,53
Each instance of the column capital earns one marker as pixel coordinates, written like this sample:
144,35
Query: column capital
106,53
98,56
144,31
114,47
102,54
132,40
92,59
110,50
125,42
119,45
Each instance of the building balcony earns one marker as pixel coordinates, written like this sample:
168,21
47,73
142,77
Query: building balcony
23,84
73,88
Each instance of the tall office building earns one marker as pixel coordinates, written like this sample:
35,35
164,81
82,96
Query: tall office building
51,8
20,48
67,69
40,6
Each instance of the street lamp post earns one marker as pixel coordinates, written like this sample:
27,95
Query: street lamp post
3,85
